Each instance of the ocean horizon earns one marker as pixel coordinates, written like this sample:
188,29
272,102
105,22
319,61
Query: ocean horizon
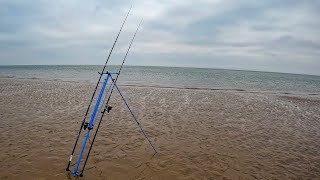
176,77
6,65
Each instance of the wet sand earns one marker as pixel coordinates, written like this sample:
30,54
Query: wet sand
199,134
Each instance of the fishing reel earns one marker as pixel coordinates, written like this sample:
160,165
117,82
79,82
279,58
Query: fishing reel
108,108
85,125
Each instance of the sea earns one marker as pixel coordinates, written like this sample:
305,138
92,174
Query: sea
172,77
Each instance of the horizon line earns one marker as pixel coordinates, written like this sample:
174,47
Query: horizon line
217,68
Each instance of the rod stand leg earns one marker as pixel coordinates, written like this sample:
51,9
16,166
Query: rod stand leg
134,117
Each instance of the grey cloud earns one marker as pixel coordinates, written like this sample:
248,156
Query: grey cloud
241,34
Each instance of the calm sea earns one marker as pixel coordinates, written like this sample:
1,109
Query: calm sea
174,77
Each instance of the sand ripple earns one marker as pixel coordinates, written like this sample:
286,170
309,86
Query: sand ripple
200,134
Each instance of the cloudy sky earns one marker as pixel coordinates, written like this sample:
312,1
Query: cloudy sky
264,35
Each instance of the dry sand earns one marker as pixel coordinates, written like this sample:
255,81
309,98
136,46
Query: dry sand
200,134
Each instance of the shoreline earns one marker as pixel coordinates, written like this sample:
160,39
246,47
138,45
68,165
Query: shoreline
173,87
208,68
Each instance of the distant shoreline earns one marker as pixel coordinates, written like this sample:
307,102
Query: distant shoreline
208,68
172,87
173,77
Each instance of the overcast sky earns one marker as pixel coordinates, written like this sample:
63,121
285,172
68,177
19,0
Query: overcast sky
264,35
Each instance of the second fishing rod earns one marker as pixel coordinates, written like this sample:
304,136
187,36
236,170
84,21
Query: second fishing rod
107,103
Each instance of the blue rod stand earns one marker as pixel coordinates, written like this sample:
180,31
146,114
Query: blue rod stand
103,95
91,124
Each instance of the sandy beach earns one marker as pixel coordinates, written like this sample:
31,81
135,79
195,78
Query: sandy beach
199,134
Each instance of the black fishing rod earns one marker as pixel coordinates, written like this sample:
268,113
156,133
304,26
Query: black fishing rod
106,107
95,90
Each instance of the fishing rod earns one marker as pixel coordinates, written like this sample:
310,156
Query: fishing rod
107,106
114,82
95,90
115,85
